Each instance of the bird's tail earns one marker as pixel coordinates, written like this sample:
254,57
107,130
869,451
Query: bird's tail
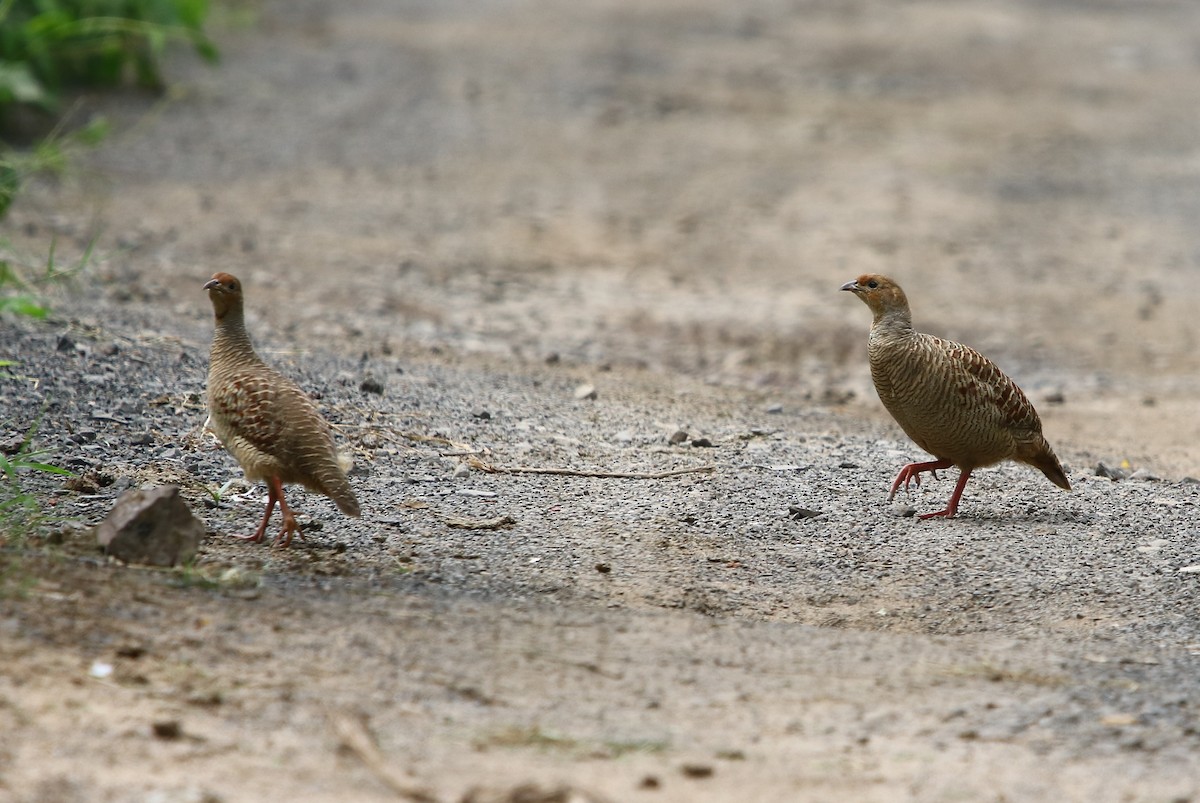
343,496
342,493
1046,461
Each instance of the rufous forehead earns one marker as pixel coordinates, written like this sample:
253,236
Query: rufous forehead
224,278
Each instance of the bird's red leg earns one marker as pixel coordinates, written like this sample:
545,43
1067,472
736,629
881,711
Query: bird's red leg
262,527
289,521
952,508
912,472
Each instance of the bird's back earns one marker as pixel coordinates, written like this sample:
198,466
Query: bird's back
273,428
952,401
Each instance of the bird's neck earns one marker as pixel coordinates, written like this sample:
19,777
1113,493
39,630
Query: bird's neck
892,324
230,341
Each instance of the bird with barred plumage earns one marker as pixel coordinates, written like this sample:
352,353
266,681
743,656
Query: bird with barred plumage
950,399
270,426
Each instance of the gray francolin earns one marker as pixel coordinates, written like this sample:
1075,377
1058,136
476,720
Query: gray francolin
954,402
265,421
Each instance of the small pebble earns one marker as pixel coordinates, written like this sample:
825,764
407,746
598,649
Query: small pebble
678,436
585,392
697,770
371,385
702,442
796,513
603,568
461,471
775,409
168,729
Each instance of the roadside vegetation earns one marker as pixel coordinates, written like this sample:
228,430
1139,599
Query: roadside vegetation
51,50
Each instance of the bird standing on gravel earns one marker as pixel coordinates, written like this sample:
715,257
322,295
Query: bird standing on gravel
954,402
265,421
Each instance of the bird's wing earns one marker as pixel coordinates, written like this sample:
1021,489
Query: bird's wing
982,383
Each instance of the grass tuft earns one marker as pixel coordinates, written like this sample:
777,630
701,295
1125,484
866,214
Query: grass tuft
20,511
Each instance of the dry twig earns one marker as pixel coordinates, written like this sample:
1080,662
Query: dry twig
480,465
478,524
353,733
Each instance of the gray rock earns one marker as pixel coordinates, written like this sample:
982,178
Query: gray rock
151,526
585,392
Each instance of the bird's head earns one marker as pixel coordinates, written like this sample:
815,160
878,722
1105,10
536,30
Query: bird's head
225,293
879,293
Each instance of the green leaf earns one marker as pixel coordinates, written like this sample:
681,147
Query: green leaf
49,469
18,85
23,305
10,185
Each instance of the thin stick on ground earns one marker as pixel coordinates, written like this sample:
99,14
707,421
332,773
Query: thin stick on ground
479,465
353,734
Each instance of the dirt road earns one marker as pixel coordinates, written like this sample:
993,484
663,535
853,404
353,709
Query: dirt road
481,207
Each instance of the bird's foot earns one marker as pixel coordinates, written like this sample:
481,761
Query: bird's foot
290,527
912,473
256,538
941,514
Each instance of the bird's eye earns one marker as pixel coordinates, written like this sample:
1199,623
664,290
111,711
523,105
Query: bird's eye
872,284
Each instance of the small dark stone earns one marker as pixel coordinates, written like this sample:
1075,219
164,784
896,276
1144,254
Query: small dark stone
796,513
603,568
678,436
650,782
168,729
371,385
83,436
847,464
697,770
1055,397
65,343
702,442
482,415
1109,472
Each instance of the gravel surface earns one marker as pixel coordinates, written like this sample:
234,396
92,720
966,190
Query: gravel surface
605,239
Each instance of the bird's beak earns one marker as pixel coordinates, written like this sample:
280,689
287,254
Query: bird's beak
213,284
851,286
